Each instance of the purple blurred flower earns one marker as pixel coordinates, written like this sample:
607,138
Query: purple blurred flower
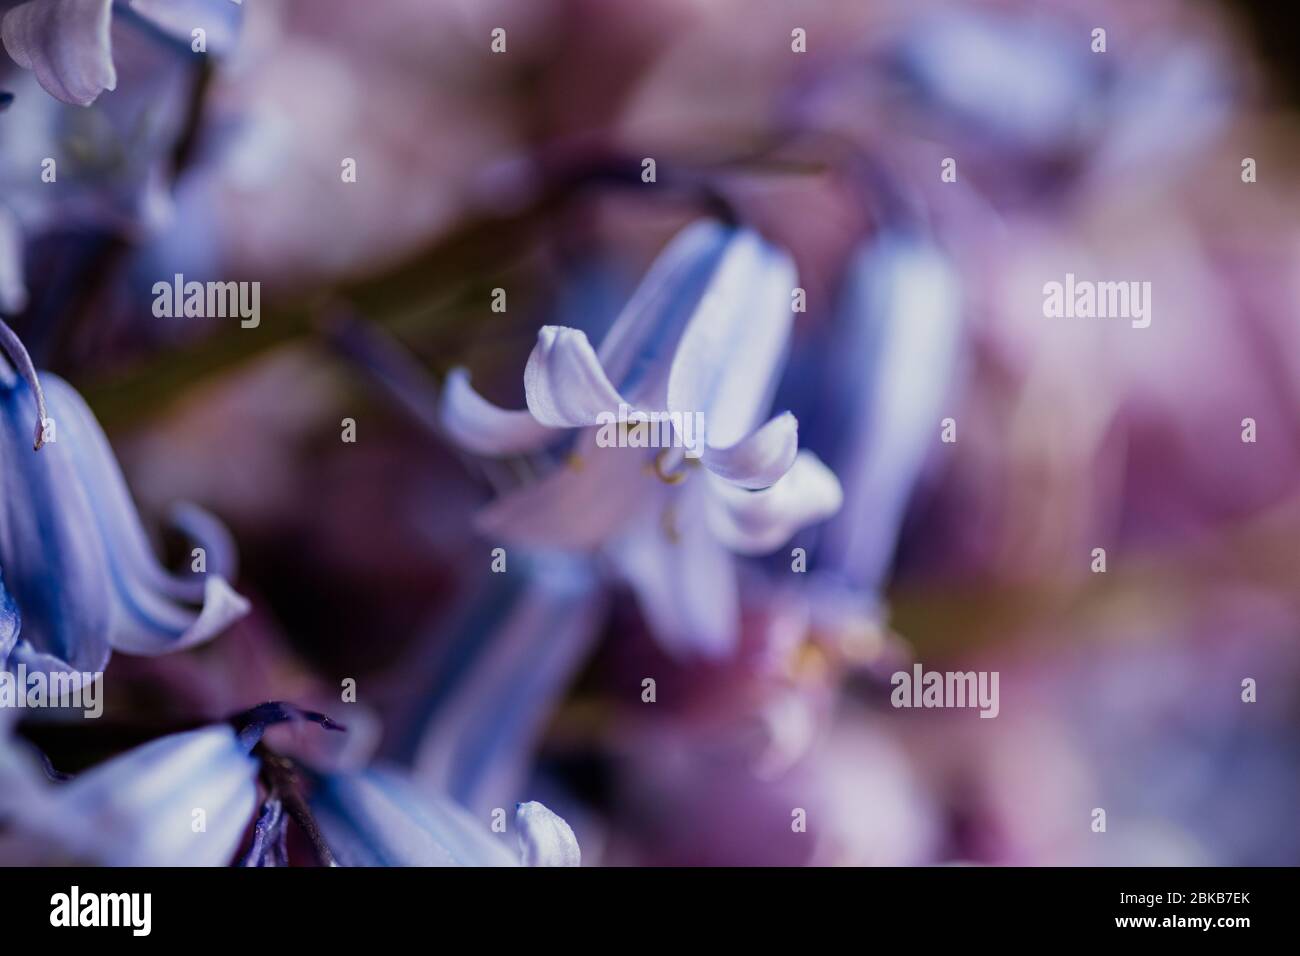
78,578
699,794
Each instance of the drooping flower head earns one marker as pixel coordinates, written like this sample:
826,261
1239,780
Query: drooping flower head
78,577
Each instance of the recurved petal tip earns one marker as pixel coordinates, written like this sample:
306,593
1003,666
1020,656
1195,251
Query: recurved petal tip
544,838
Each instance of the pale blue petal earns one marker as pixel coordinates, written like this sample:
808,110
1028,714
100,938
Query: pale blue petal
902,314
20,366
13,287
759,522
139,809
497,678
377,818
730,356
36,662
148,616
564,383
75,558
53,560
66,44
684,579
638,350
761,459
544,838
476,425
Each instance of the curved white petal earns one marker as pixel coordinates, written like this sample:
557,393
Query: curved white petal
476,425
761,459
729,357
684,579
637,352
222,606
564,382
759,522
545,839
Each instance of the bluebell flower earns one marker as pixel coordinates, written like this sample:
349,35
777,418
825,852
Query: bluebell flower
68,44
379,818
703,338
78,578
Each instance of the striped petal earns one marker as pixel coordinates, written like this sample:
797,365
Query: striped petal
66,44
74,556
378,818
901,315
495,682
638,350
142,808
728,360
